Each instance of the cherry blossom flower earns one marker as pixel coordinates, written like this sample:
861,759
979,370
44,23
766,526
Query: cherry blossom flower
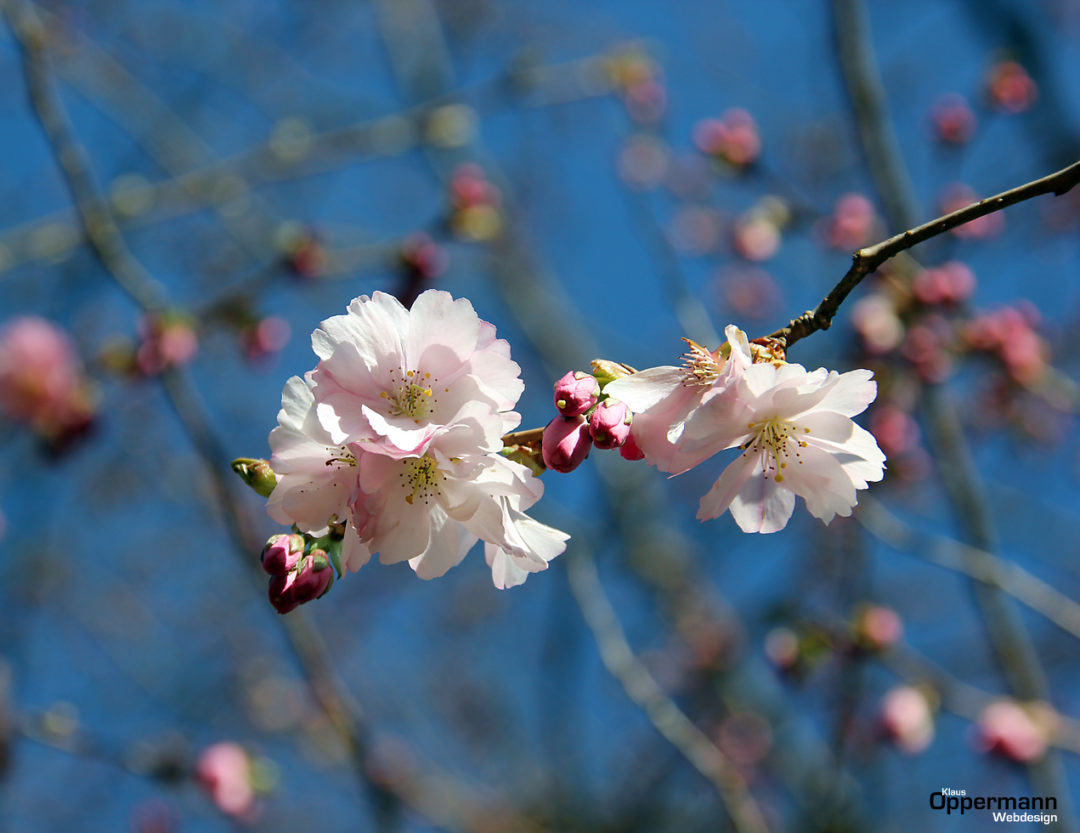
430,510
41,380
394,378
224,771
366,443
794,428
667,403
797,439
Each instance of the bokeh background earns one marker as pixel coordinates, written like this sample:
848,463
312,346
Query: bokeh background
188,188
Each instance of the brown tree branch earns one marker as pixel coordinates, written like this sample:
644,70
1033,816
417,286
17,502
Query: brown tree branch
866,260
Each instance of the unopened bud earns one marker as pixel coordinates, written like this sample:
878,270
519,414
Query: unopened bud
256,473
630,450
609,424
605,370
282,553
566,443
575,393
309,580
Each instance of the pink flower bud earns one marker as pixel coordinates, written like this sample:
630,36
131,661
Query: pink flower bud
630,450
566,443
282,553
575,393
309,580
1012,731
609,424
953,119
1010,88
878,628
906,719
224,771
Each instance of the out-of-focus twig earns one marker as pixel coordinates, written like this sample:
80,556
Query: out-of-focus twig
665,716
976,563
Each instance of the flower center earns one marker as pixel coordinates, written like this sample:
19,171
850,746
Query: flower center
341,455
413,395
777,441
700,366
421,478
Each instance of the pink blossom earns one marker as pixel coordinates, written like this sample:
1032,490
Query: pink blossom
852,223
756,237
224,772
906,718
796,438
879,327
41,382
1010,87
953,119
667,403
1012,731
394,378
733,138
431,510
878,627
395,436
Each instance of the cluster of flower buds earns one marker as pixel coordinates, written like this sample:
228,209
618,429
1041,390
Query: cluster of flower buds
166,340
41,381
1009,334
296,576
949,284
474,204
732,139
639,82
586,418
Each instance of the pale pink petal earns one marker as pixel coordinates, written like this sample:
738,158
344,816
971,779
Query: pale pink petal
820,480
762,505
377,327
716,501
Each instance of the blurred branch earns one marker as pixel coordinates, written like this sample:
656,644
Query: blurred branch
866,260
1011,642
302,152
970,561
665,716
94,215
108,246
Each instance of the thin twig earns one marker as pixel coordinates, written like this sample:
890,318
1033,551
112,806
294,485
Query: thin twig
970,561
866,260
666,717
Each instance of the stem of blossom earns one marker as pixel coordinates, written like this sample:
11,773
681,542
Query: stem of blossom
530,436
866,260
